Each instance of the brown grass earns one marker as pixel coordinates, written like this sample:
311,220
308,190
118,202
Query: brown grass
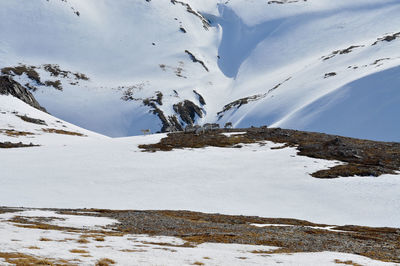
184,245
22,222
133,250
167,249
83,241
45,239
15,133
21,259
100,239
63,132
78,251
347,262
274,251
33,247
197,263
104,262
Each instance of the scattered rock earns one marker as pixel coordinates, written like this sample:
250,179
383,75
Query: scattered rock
387,38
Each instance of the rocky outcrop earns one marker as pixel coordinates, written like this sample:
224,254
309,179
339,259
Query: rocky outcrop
8,86
10,145
169,124
196,60
187,111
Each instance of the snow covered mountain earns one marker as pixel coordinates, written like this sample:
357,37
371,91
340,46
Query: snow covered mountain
118,67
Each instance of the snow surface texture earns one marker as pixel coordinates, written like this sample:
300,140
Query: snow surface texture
96,171
11,111
293,57
143,249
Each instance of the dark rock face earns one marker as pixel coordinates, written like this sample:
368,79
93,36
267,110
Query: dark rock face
195,60
10,87
170,124
201,99
187,110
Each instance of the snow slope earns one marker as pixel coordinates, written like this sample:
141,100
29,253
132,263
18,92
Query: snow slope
96,171
275,63
49,131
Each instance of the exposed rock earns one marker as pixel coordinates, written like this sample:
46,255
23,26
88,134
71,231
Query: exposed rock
170,124
187,111
284,1
10,87
201,99
9,145
388,38
52,69
206,23
195,60
228,125
238,103
328,75
32,120
55,84
344,51
30,71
